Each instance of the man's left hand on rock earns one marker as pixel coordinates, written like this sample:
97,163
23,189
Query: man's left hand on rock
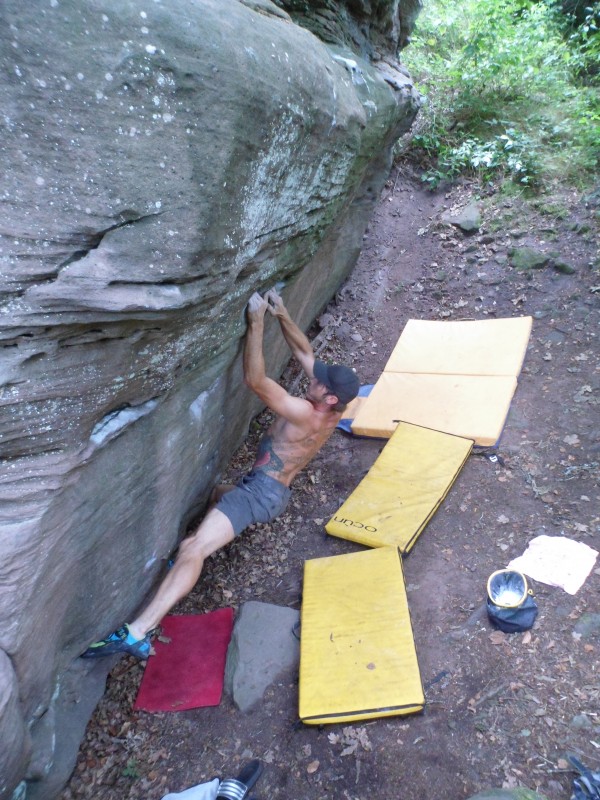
257,307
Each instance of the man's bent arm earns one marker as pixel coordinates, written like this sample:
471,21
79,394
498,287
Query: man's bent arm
255,372
295,338
255,376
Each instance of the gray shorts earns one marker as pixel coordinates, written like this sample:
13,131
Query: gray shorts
257,498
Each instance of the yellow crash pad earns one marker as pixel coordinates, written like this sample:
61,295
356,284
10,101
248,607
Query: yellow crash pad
354,407
472,406
455,377
477,347
403,488
357,654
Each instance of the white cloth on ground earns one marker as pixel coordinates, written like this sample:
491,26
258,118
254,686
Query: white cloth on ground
557,561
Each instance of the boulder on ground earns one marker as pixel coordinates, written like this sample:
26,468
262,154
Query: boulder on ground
263,646
467,219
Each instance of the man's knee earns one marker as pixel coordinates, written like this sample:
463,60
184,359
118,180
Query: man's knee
192,548
214,532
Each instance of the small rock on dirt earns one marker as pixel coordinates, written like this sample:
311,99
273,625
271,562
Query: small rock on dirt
325,320
564,268
468,219
588,625
526,258
581,722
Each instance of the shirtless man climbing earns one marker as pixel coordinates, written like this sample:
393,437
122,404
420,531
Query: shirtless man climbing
300,429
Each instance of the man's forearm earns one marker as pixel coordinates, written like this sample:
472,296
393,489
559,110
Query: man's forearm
254,361
296,339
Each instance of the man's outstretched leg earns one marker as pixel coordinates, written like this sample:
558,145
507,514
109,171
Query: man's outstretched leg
214,532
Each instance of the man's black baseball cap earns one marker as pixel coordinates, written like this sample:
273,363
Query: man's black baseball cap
342,381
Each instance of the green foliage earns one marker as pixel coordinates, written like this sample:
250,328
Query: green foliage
131,770
584,43
510,153
503,89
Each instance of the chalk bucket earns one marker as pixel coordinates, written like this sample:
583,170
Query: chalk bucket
510,603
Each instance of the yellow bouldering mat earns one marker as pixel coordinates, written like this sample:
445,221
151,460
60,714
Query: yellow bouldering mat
471,406
455,377
403,488
357,654
464,347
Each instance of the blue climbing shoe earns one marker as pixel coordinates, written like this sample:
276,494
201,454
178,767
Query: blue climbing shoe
121,641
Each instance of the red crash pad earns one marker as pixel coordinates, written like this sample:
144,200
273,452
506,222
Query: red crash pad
188,669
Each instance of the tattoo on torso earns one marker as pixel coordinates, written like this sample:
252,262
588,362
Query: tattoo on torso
266,457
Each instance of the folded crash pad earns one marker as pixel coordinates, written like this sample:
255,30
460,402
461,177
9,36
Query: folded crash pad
403,488
189,666
474,407
357,654
470,347
455,377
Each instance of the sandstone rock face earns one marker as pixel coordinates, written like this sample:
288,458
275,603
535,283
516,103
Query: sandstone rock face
373,28
161,160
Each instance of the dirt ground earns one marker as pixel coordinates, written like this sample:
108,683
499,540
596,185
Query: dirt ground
501,710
